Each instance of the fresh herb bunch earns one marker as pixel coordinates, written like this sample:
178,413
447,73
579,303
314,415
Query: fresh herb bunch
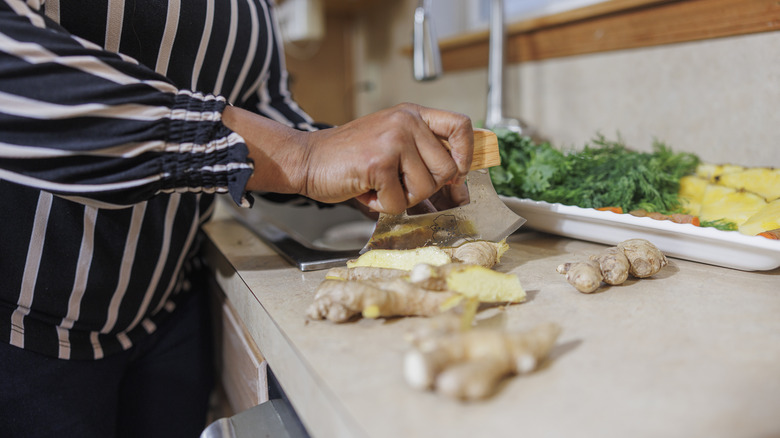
603,174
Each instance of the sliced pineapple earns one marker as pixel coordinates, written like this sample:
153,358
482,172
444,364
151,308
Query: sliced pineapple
711,172
720,202
759,180
691,193
768,218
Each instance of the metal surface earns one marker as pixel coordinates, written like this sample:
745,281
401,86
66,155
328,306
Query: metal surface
426,56
494,117
485,217
296,231
295,250
274,418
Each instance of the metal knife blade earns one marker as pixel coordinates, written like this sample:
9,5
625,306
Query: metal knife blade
485,217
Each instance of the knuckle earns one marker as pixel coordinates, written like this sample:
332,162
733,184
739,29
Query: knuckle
446,173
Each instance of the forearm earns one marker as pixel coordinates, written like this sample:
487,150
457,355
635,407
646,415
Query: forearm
389,160
87,124
278,151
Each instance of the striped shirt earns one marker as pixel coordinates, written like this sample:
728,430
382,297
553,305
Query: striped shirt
111,151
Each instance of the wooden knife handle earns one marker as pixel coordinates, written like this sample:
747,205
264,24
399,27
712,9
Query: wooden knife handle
485,149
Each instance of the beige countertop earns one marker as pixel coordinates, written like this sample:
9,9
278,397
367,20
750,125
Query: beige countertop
691,352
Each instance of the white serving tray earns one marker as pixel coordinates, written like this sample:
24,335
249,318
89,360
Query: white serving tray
729,249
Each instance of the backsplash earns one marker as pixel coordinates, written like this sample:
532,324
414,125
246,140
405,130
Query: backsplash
717,98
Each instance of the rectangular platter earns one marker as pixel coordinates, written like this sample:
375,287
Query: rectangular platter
729,249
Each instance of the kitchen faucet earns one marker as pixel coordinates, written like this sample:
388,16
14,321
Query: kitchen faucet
427,58
427,62
494,117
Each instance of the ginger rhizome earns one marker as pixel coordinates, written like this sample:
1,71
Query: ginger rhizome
468,365
424,291
480,252
339,300
637,257
400,283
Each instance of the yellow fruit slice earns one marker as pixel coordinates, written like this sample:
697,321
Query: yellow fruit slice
733,205
768,218
759,180
711,172
691,193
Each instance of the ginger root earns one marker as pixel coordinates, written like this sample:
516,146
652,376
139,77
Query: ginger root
364,273
482,252
339,301
613,264
416,282
638,257
424,291
585,276
644,257
468,365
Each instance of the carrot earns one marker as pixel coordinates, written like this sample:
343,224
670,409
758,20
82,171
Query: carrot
618,210
685,219
771,234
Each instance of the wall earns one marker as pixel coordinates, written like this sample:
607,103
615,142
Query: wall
716,98
320,72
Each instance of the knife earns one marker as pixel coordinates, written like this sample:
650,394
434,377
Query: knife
485,217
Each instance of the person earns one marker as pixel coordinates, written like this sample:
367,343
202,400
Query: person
119,124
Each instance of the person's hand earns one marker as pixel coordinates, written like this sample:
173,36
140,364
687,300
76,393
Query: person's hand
450,196
388,161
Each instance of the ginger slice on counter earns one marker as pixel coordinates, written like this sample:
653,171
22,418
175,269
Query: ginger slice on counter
424,291
416,282
483,253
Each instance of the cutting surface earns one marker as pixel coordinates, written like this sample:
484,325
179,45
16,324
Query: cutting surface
690,352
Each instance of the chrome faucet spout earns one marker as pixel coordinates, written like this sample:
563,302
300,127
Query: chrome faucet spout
426,57
494,115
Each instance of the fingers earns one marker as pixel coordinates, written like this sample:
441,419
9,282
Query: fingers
457,130
389,160
434,165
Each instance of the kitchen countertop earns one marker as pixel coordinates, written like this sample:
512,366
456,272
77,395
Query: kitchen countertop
692,352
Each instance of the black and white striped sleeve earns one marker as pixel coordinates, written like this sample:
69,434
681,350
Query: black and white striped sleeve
99,128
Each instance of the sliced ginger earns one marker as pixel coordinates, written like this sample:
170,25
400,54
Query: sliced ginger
638,257
404,259
468,365
425,290
420,282
481,253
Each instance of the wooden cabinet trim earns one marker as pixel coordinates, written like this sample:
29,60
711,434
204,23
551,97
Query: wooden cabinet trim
615,25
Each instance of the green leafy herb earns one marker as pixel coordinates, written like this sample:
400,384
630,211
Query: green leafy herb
720,224
603,174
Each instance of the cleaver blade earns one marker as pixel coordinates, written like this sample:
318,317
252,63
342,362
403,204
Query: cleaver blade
485,217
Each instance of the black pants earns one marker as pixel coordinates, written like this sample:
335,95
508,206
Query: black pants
158,388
